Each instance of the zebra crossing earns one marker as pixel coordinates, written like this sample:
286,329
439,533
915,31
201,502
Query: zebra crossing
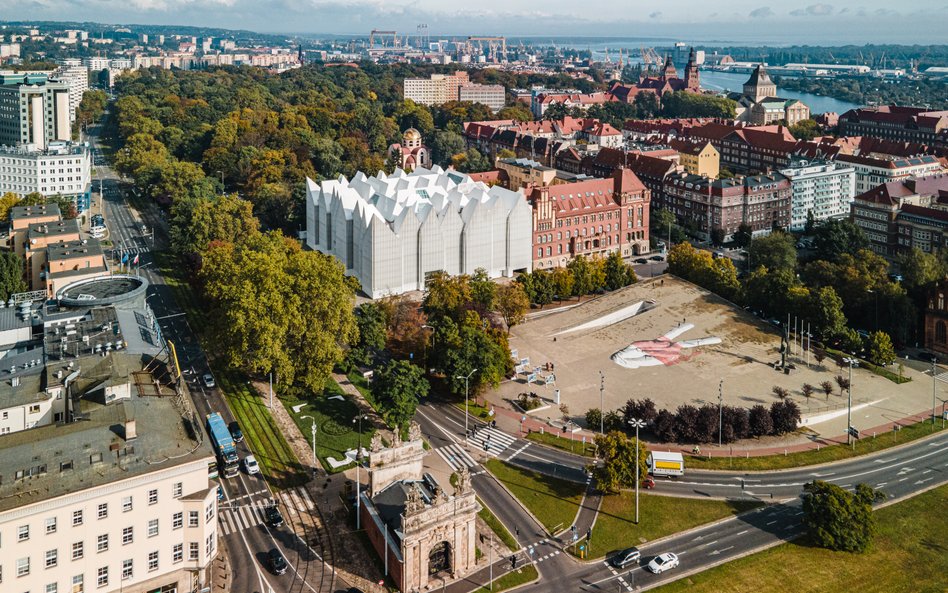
492,441
456,457
244,516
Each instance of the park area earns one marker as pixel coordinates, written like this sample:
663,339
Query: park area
908,555
676,343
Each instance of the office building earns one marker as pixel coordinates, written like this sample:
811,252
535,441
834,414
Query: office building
390,232
873,169
492,95
33,110
904,214
903,124
63,168
74,73
441,88
823,190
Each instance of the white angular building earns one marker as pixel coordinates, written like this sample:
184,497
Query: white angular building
390,232
824,188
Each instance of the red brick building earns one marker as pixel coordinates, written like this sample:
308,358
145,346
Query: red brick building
590,217
936,319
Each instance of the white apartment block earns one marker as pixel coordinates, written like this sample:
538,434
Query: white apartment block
438,89
872,171
492,95
63,168
390,232
95,62
9,50
825,189
76,75
33,110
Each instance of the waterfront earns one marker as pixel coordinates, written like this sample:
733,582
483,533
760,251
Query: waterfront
719,81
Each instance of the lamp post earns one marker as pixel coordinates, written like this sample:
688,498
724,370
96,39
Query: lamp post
849,412
426,326
312,428
602,413
358,464
720,411
934,385
467,380
635,422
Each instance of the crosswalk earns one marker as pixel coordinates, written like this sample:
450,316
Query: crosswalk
492,441
244,515
456,457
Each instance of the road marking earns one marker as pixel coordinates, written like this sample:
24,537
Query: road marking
456,457
925,480
772,522
798,514
709,544
881,484
742,532
518,452
716,552
927,471
902,479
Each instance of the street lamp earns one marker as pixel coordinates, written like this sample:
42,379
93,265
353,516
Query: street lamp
602,413
934,384
720,411
358,463
222,182
466,394
637,424
849,390
313,435
426,326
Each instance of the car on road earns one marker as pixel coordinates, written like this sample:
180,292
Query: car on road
641,260
209,380
663,562
251,466
657,258
235,432
273,516
276,561
626,557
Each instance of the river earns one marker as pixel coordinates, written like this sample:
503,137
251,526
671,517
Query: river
719,81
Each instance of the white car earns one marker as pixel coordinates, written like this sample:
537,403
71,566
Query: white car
663,562
251,467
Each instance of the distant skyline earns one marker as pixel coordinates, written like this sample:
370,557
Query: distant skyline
763,22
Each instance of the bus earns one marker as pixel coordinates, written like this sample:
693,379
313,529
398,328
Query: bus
224,446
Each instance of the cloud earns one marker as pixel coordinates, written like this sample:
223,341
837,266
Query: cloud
813,10
761,13
655,15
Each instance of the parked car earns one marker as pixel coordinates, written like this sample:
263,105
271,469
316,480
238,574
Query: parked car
663,562
277,561
273,516
657,258
641,260
235,432
220,492
626,557
648,483
209,381
251,466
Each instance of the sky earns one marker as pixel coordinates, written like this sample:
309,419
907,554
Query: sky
729,21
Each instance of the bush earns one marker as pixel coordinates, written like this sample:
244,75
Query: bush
529,401
594,418
665,426
641,409
785,416
760,421
686,424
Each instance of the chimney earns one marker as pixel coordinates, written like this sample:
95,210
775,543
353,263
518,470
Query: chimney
130,431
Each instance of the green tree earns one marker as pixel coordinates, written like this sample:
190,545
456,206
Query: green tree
778,292
881,350
516,112
446,296
919,269
468,345
371,322
562,283
445,144
824,309
11,275
850,341
618,273
806,129
512,303
685,104
836,237
776,251
617,453
197,222
397,387
837,519
483,291
7,202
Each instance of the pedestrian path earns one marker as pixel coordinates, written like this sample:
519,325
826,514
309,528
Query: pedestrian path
492,441
241,516
620,578
298,498
456,457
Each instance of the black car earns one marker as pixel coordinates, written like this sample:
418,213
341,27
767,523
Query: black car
657,258
277,561
641,260
235,432
273,516
626,557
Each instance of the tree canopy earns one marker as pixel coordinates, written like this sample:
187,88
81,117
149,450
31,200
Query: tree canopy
837,519
617,453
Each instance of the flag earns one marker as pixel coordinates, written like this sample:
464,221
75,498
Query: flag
135,261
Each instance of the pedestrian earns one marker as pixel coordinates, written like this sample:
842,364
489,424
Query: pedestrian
517,529
663,282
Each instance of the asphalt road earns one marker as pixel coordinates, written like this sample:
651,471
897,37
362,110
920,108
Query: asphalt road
248,538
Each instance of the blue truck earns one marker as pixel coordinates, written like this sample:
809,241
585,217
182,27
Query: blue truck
224,445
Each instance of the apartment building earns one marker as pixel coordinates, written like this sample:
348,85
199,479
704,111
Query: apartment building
875,169
438,89
698,158
75,74
891,122
904,214
33,110
63,168
492,95
821,189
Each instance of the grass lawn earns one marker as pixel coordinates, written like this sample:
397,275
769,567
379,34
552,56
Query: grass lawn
658,516
865,445
557,442
277,461
554,502
891,373
908,555
474,410
335,431
497,527
362,384
522,575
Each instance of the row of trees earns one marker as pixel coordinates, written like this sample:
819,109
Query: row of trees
691,424
646,106
580,277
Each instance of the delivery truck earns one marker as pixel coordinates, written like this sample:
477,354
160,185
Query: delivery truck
662,463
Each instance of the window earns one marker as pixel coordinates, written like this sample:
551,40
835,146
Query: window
52,588
194,549
34,409
52,558
77,550
209,544
209,512
103,510
177,553
126,504
194,519
152,497
176,489
177,520
77,584
152,527
102,577
152,561
127,569
23,567
77,518
22,533
102,543
128,535
51,525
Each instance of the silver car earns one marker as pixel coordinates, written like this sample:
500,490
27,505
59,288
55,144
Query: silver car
663,562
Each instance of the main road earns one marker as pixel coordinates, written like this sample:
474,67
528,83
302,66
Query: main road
134,236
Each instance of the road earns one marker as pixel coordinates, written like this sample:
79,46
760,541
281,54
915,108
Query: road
240,515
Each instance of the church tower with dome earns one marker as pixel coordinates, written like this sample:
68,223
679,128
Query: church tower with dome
411,153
